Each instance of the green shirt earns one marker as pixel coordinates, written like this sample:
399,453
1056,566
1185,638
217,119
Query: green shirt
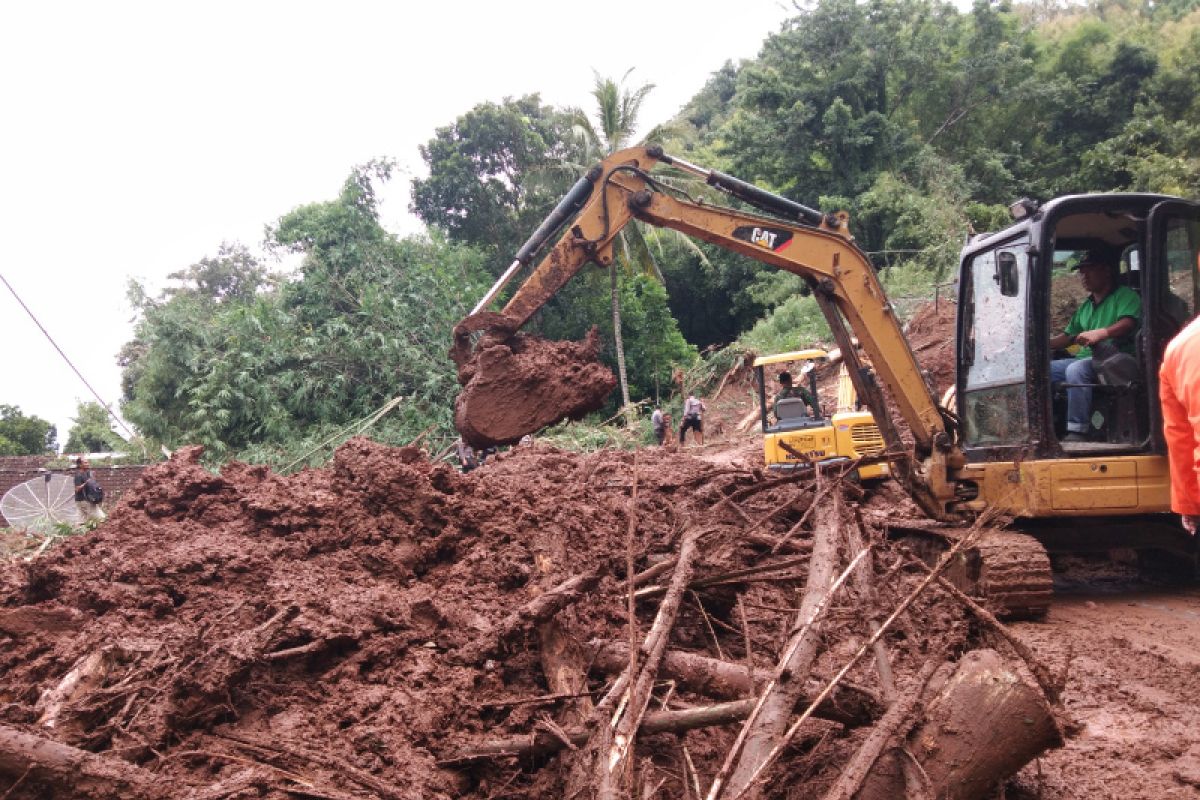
1121,302
795,391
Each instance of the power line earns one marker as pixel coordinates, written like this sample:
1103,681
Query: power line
50,339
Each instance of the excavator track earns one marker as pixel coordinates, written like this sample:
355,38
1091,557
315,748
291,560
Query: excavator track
1008,572
1014,573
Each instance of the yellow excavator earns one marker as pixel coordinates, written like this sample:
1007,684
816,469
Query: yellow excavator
1003,446
797,436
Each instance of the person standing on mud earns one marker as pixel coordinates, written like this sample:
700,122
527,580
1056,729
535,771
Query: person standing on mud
1179,393
88,494
693,411
659,424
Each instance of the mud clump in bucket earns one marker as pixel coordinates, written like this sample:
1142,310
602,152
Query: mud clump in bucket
524,383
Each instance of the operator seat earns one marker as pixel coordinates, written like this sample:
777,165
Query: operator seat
790,408
1118,396
792,414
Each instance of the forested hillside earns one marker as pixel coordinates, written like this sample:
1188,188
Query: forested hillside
920,120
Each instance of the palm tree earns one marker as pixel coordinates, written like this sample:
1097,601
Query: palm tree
617,108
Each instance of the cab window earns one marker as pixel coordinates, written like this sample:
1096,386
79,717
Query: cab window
994,404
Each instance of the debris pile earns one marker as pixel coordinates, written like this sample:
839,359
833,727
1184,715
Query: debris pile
387,627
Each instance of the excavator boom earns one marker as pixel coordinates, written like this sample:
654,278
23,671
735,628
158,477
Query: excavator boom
816,246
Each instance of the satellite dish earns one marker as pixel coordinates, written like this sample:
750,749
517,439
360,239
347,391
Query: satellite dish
41,503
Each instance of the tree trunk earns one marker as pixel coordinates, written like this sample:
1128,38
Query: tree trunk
724,681
540,742
564,663
77,773
618,343
765,731
983,725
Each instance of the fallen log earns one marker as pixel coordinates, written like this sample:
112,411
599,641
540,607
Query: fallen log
650,573
625,730
856,541
535,612
761,732
983,725
543,742
74,772
700,674
894,724
946,559
776,544
564,663
88,673
915,784
734,576
722,680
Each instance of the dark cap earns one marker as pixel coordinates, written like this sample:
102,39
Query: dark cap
1093,258
785,377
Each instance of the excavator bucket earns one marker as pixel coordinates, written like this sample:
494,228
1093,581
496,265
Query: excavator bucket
515,383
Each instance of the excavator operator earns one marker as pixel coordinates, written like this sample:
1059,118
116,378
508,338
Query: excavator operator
788,389
1109,312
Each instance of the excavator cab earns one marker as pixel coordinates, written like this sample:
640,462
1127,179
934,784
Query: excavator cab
794,438
1018,289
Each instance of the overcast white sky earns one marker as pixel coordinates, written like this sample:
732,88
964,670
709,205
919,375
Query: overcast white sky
137,136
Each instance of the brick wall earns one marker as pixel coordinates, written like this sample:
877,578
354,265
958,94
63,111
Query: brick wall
115,480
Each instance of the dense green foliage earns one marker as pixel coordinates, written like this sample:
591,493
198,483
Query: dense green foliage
495,173
922,121
367,318
92,431
25,436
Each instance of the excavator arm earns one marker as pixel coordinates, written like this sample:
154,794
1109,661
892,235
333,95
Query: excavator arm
816,246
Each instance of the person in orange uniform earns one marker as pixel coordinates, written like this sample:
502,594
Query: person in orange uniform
1179,391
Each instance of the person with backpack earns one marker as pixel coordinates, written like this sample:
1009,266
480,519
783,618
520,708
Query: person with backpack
693,409
88,493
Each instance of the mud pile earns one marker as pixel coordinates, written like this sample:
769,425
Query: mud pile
344,632
521,384
931,335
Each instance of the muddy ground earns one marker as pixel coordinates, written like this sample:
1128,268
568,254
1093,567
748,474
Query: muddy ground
517,385
327,634
1133,691
345,631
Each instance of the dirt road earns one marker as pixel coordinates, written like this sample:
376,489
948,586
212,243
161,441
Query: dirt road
1133,690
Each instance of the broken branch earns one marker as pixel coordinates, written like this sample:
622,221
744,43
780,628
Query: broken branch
536,611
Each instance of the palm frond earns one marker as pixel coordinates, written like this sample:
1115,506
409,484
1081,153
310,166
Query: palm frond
639,253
